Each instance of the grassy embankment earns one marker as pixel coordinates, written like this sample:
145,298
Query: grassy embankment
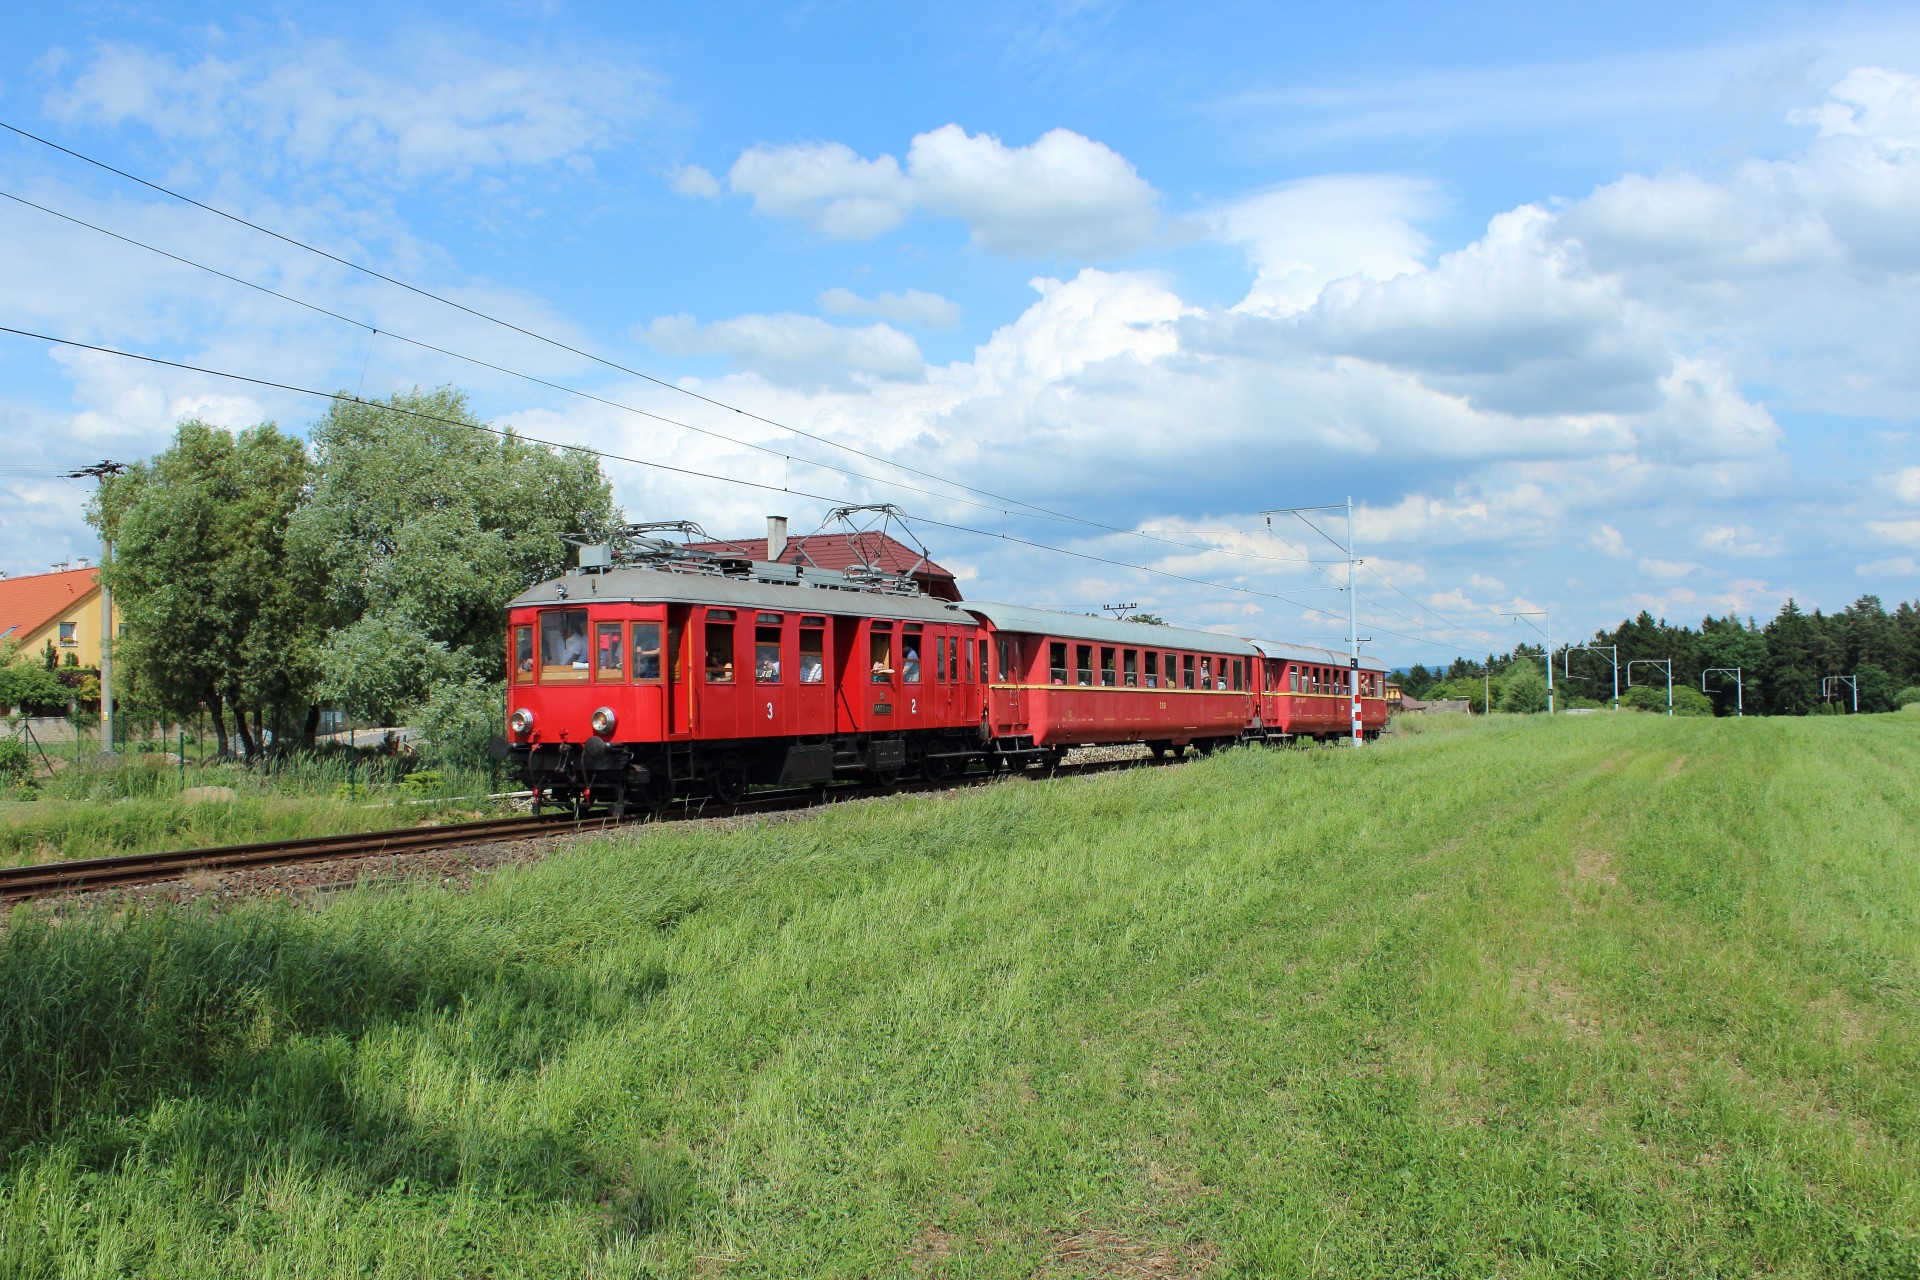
1608,996
133,805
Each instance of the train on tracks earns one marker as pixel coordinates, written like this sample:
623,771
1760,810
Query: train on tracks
656,671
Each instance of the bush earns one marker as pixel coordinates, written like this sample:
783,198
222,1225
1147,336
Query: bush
422,782
16,762
1907,697
1687,701
459,722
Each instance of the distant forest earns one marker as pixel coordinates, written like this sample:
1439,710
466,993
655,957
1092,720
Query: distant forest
1782,665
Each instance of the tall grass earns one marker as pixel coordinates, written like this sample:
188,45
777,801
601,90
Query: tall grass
1615,996
135,804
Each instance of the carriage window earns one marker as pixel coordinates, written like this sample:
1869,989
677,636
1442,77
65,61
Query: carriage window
720,646
1206,673
1153,669
953,658
1173,666
646,651
1293,678
563,644
1083,663
1130,669
609,651
522,654
1057,661
1107,674
911,642
1186,670
766,647
1009,659
880,648
940,658
813,651
1239,676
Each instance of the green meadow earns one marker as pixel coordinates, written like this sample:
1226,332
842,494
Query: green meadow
1596,996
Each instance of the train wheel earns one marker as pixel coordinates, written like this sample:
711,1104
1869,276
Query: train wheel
729,782
1159,749
1205,746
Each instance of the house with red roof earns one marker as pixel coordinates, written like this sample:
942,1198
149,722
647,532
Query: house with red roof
62,606
840,552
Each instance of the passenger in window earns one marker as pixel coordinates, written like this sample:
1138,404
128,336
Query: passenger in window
523,650
910,670
646,661
573,647
1206,673
811,670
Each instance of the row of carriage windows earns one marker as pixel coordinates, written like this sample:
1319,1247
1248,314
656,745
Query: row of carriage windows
571,649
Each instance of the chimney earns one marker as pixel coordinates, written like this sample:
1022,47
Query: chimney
776,537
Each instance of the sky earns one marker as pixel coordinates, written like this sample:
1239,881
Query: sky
1587,309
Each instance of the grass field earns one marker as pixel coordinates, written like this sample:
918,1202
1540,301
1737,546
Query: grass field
1608,996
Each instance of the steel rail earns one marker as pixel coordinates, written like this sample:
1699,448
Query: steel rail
82,875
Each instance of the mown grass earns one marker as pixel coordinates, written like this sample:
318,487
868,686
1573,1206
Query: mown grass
134,804
1611,996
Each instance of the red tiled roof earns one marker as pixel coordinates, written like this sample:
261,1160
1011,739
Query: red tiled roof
27,604
844,551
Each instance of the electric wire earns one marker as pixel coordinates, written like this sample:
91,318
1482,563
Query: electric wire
341,397
375,332
1030,507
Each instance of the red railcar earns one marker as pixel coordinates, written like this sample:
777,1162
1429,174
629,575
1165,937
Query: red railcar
633,684
1305,693
1062,680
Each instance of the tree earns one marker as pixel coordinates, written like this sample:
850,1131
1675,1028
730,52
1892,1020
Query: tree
28,685
1523,689
215,612
428,522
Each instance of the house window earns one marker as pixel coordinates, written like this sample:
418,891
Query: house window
563,644
813,650
609,651
1083,663
522,654
1130,668
1057,661
1108,675
766,647
1186,671
719,646
646,651
67,633
880,649
1153,669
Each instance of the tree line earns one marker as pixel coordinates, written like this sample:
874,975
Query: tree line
1782,664
260,576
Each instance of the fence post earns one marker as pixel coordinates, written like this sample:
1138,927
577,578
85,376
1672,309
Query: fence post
183,756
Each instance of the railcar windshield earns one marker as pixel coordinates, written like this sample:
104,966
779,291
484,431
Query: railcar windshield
563,644
610,651
522,654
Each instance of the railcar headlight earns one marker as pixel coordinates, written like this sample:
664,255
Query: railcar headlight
603,722
521,721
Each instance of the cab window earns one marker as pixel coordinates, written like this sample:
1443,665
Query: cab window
646,651
766,647
719,650
563,644
522,654
813,650
609,651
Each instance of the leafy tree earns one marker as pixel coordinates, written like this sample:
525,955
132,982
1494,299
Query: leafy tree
1907,697
428,522
1523,689
27,685
382,666
1151,619
460,721
215,612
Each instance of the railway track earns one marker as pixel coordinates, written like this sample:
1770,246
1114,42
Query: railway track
85,875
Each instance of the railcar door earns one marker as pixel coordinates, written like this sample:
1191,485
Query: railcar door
918,664
1010,673
849,676
813,696
679,688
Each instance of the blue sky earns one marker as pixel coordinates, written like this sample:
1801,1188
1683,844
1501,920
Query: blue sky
1594,308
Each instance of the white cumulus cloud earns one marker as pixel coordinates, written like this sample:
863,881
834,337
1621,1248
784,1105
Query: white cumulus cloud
1064,195
797,349
913,306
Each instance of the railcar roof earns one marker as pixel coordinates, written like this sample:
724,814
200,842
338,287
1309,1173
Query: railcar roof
651,586
1076,626
1311,653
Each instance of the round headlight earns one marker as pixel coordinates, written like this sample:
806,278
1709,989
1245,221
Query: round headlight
603,722
520,721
